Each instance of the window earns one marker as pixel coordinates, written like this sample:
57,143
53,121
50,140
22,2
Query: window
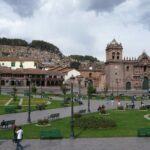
12,64
113,55
145,68
21,65
90,75
127,68
118,55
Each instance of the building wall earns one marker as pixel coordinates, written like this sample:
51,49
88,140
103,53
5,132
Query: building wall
120,73
18,64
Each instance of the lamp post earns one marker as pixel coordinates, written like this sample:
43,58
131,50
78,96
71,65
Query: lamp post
41,86
79,83
72,110
89,93
0,83
117,86
29,101
14,88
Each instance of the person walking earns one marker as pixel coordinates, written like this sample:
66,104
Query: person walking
14,127
19,132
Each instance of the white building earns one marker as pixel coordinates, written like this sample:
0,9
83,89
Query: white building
15,63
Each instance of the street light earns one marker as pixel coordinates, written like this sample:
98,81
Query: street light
89,95
117,85
41,86
79,78
72,111
29,101
0,83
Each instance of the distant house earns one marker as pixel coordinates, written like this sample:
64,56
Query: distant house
16,63
68,72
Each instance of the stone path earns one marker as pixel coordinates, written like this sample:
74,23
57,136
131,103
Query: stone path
8,102
81,144
21,118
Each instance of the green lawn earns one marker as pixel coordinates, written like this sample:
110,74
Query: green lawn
34,101
127,124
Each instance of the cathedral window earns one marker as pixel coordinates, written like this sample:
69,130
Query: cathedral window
145,68
90,75
127,68
118,55
113,55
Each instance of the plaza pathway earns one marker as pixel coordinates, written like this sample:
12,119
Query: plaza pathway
81,144
21,118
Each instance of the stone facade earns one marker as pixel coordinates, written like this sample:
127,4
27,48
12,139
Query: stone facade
127,73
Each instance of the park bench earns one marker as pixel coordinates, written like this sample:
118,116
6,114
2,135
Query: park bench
53,116
147,106
130,106
7,123
143,132
82,111
51,134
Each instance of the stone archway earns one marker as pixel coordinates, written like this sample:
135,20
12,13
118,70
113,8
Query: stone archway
145,84
128,86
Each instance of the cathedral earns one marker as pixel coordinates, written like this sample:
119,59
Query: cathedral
126,73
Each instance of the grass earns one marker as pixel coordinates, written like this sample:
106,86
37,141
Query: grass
34,101
127,124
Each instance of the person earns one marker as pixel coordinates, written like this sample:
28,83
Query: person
142,103
14,127
3,123
19,133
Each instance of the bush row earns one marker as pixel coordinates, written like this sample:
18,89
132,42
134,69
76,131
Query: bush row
94,122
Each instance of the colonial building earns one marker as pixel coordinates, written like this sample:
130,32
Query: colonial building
19,62
127,73
22,77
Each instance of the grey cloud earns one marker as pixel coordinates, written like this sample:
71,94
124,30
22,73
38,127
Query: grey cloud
24,8
144,8
101,5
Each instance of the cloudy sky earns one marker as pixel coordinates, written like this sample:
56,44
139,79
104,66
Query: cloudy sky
81,27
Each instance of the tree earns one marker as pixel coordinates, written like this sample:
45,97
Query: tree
34,89
64,90
106,89
14,93
90,90
75,65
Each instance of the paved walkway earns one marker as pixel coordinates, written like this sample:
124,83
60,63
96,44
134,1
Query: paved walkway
21,118
81,144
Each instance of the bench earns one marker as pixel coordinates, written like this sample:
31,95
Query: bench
130,106
147,106
143,132
53,116
82,111
51,134
7,123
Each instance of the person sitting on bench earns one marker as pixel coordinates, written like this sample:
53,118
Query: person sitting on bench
3,123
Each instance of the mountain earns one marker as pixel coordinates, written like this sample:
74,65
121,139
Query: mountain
44,52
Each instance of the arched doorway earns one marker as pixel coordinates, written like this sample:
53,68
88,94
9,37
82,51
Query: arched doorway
145,85
128,86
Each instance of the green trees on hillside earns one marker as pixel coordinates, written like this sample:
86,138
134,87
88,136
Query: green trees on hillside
83,58
44,46
13,42
35,43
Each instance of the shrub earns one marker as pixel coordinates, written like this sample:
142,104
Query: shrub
40,106
142,108
10,109
18,107
77,115
42,121
94,122
101,109
120,108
